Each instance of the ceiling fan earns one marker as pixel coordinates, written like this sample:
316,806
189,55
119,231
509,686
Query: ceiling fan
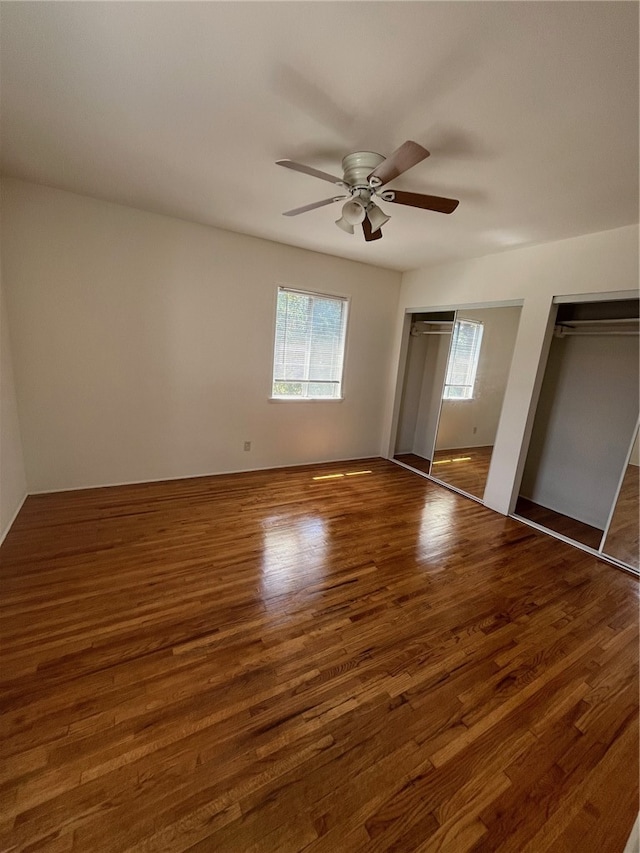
365,173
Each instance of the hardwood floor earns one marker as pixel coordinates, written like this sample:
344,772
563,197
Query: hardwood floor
466,468
563,524
272,662
417,462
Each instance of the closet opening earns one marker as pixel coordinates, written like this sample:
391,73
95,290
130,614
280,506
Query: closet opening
580,479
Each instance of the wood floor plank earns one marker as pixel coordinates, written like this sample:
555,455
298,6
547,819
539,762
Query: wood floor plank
269,662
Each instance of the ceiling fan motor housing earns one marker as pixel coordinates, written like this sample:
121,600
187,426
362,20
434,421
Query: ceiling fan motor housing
358,166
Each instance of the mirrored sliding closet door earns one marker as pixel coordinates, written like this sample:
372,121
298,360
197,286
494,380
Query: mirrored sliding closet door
621,536
475,379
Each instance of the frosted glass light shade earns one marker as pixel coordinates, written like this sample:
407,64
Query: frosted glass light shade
346,226
354,212
377,217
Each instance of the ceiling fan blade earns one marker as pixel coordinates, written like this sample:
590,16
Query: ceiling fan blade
313,206
307,170
370,235
403,158
426,202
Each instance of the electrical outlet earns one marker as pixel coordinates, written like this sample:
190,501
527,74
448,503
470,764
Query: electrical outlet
247,445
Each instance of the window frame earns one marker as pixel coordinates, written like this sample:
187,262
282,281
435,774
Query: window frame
346,300
474,367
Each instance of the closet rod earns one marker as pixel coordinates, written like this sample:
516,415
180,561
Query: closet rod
601,322
563,332
621,326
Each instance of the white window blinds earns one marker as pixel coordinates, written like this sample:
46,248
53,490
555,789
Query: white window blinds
309,345
463,360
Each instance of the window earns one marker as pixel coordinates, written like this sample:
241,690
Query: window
463,360
309,345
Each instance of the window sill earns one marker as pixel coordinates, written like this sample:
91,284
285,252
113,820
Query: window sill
306,399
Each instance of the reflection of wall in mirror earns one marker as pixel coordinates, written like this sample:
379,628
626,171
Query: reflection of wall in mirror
459,417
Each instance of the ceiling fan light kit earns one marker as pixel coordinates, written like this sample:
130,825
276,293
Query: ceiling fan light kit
342,223
377,217
354,211
364,173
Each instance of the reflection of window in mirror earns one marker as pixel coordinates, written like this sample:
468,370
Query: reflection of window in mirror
463,360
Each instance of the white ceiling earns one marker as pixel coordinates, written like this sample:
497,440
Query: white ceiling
530,111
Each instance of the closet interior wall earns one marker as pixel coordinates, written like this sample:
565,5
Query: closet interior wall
585,422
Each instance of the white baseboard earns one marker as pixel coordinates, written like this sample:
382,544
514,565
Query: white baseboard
208,474
13,518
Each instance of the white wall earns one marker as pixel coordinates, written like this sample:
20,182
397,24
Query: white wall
585,420
13,483
606,262
143,345
459,418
